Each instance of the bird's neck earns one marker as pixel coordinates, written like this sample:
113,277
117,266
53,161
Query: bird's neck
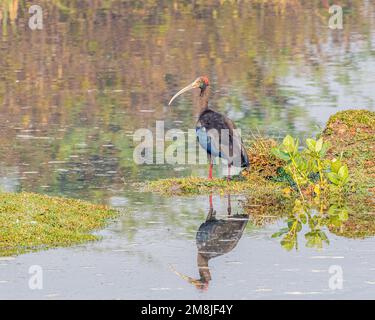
203,99
204,271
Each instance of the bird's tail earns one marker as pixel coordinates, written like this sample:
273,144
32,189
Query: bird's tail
245,163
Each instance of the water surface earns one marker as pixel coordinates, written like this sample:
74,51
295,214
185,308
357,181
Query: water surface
72,94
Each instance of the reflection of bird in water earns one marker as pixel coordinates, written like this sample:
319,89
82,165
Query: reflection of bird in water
216,133
215,238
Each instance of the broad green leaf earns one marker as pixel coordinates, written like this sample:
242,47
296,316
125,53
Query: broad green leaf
311,144
287,244
313,240
303,218
280,233
280,154
290,223
333,210
336,165
343,215
323,236
343,172
333,177
324,150
289,144
319,145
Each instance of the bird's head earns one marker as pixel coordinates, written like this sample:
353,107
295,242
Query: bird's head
201,82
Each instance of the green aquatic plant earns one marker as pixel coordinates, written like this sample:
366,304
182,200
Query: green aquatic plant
304,214
309,169
339,173
349,136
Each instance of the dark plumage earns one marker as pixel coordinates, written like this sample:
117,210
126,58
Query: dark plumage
216,237
214,145
212,126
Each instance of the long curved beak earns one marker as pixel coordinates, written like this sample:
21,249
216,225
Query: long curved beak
187,88
187,278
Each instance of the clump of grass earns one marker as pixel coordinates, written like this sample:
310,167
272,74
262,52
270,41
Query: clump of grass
352,119
197,185
30,222
261,157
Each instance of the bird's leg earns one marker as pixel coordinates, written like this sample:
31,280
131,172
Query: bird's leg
229,206
228,177
211,212
210,170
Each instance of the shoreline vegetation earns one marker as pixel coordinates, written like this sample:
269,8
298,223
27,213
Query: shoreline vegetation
330,182
339,197
30,222
350,135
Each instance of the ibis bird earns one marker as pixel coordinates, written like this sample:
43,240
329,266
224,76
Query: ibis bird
214,238
216,133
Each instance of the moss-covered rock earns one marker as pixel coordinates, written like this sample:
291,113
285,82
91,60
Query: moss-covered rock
362,119
351,134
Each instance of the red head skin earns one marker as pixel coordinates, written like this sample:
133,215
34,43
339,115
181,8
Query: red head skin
205,80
